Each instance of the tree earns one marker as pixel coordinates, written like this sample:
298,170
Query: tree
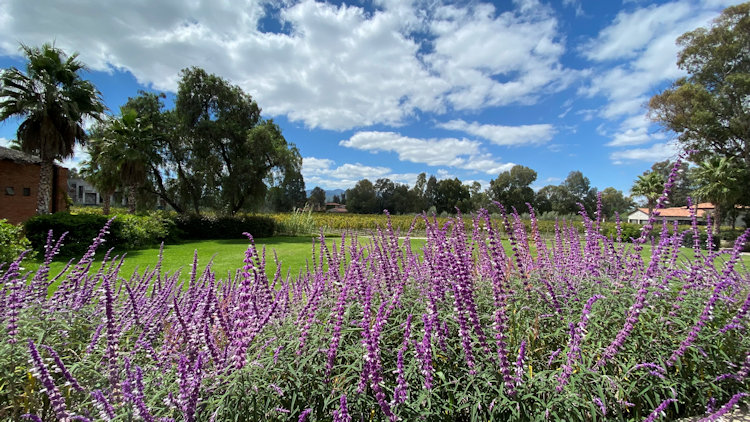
709,108
479,198
218,151
649,185
451,194
419,195
100,170
513,188
361,199
580,191
126,144
683,186
614,201
317,199
52,99
720,181
555,198
288,195
430,192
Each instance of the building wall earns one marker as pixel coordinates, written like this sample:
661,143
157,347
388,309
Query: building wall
19,184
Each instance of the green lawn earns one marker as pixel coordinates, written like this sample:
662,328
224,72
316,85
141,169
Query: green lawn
294,253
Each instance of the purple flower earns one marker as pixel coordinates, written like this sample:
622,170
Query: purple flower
61,366
574,345
659,411
726,408
303,416
56,400
342,413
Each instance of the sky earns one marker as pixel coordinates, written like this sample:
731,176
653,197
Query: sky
392,88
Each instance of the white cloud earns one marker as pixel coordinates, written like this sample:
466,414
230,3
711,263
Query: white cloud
451,152
631,32
636,55
657,152
524,61
324,173
333,67
504,135
4,142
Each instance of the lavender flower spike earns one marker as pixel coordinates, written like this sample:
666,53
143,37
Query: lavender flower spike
57,400
659,411
726,408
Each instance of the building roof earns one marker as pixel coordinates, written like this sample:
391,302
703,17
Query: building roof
18,156
681,212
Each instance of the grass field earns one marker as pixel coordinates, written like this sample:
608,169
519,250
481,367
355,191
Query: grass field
294,254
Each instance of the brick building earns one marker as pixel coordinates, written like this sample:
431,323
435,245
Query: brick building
19,184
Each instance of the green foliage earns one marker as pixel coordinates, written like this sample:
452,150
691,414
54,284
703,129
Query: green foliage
52,100
317,198
126,232
649,185
708,108
224,227
12,242
512,188
362,199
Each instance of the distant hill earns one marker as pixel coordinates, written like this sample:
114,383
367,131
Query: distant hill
329,193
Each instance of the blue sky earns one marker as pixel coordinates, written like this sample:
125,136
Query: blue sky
392,88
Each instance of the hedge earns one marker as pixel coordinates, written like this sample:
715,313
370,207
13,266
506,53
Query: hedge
218,227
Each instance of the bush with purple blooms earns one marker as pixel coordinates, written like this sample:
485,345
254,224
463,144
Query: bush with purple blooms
579,328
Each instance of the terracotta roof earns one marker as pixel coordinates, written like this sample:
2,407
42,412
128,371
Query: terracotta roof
681,212
18,156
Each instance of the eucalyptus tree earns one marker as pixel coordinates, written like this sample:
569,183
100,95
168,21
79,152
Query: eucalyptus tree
52,100
710,108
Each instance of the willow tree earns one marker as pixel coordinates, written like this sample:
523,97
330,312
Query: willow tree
52,99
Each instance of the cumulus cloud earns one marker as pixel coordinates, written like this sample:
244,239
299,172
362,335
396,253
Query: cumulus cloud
504,135
657,152
328,66
636,55
326,174
460,153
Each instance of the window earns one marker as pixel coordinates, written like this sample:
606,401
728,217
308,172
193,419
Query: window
80,193
10,191
26,191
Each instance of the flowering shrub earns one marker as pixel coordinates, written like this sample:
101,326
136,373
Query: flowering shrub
584,329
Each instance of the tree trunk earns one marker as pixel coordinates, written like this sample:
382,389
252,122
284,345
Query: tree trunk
44,196
107,203
131,198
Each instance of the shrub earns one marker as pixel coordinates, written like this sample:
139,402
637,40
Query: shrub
126,232
223,227
12,242
80,229
586,330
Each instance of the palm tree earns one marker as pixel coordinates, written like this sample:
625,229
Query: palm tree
651,186
121,151
101,171
719,182
52,99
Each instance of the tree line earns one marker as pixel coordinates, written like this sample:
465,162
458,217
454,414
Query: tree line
214,151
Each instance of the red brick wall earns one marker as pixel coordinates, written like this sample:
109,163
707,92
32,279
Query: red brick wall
17,208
